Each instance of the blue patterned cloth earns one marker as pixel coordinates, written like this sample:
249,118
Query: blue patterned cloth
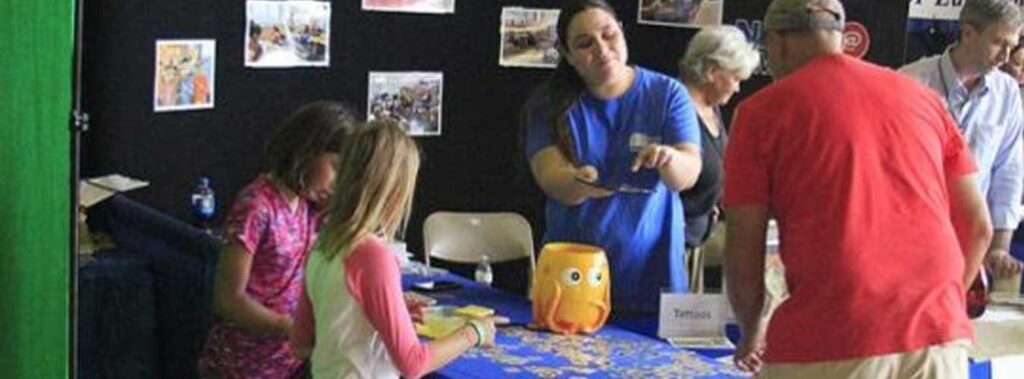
614,352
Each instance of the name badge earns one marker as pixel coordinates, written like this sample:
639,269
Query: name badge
638,141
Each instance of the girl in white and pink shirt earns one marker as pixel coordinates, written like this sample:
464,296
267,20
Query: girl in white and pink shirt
353,317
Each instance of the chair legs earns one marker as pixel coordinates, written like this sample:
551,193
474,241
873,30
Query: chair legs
694,261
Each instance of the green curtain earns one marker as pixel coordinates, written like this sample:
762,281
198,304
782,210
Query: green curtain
35,101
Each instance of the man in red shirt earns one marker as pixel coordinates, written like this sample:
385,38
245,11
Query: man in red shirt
881,224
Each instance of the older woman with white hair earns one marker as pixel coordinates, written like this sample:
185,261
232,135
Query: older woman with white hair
717,59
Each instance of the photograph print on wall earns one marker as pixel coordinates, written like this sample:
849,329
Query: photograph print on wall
287,34
184,74
411,99
680,13
528,37
410,6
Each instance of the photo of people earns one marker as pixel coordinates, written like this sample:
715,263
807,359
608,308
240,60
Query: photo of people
287,33
528,37
680,13
411,6
183,77
412,99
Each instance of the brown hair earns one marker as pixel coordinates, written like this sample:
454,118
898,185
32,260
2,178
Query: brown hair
374,187
316,128
565,85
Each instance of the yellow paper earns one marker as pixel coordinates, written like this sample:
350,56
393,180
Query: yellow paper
437,324
474,311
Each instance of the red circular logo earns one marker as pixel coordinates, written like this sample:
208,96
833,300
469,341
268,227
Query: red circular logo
856,40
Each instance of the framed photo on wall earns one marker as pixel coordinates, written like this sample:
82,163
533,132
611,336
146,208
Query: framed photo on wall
528,37
183,77
680,13
287,34
411,6
411,99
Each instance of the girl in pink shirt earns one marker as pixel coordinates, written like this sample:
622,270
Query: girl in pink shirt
353,317
269,231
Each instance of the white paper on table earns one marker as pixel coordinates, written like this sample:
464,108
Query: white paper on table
118,182
999,314
717,342
89,195
95,190
1006,299
1007,367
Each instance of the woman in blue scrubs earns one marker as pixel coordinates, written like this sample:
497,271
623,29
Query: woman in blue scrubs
611,145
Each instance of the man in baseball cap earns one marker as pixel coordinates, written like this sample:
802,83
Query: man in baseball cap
805,14
785,16
870,182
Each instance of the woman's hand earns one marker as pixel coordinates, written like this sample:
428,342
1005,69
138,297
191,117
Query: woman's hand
564,181
654,156
587,177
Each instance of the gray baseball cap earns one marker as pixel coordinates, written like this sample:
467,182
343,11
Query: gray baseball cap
804,14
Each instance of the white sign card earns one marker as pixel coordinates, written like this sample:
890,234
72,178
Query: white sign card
694,320
1007,367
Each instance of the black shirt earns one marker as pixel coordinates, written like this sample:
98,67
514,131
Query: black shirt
702,197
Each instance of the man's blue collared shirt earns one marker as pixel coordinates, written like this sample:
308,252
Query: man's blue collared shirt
991,121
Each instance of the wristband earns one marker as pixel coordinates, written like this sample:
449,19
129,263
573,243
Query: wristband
479,333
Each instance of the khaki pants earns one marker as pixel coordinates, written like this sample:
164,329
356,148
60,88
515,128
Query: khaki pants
943,361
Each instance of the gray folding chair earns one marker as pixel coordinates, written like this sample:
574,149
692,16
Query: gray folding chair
465,237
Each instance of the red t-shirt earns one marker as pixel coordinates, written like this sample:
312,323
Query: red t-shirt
852,159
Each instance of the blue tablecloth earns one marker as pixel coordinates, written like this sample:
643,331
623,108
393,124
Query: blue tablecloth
614,352
622,349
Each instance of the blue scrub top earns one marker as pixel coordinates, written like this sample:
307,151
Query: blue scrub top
643,234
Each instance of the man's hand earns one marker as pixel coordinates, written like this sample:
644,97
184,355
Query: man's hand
750,351
1001,263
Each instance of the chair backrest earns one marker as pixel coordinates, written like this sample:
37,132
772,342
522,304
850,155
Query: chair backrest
464,237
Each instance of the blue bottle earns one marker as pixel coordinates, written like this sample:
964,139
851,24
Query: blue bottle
204,205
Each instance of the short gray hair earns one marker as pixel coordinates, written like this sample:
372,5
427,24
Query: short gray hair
722,46
982,13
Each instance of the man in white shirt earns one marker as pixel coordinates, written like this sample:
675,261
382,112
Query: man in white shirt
986,103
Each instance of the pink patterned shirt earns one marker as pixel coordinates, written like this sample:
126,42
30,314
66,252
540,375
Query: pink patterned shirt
279,240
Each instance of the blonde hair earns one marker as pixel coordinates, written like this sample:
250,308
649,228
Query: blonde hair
374,187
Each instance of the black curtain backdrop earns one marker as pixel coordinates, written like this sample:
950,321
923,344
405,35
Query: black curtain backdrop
475,165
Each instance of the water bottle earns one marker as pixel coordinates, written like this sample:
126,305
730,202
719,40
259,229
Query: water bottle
204,206
483,274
